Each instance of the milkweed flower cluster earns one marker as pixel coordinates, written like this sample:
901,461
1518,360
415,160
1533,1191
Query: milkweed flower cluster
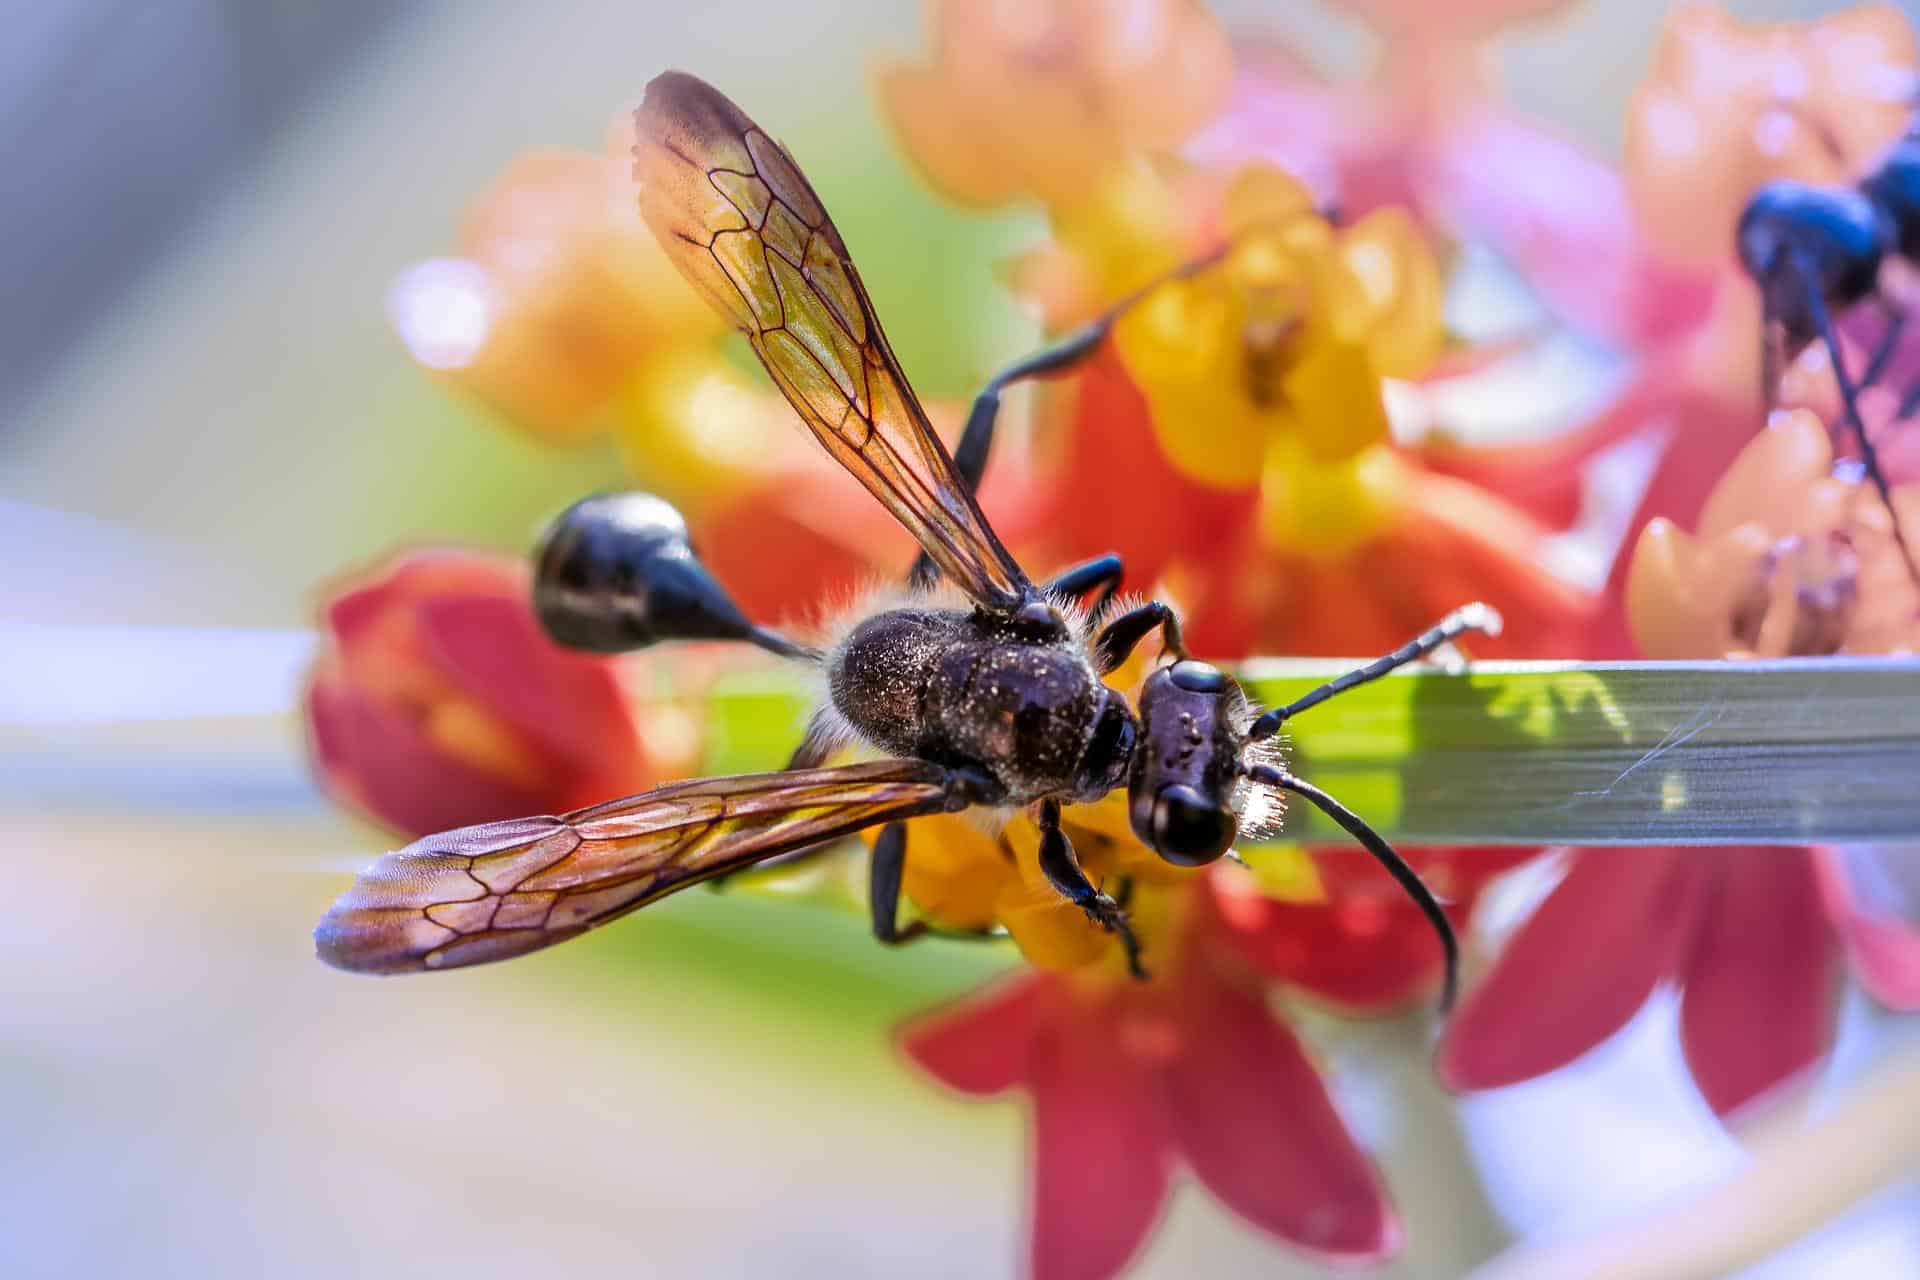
1283,247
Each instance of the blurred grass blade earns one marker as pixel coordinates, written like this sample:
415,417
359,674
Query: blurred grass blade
1798,751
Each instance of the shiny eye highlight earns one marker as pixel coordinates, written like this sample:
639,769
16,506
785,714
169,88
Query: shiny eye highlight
1188,830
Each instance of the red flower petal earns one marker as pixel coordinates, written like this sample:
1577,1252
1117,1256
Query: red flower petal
1359,952
1886,959
1576,971
380,759
568,704
1883,949
1102,1155
1253,1119
979,1045
1368,947
419,574
1757,1008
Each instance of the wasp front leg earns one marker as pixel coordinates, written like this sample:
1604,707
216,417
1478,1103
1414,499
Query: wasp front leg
1103,574
1121,636
1063,871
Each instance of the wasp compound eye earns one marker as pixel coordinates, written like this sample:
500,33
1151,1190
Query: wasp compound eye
1198,677
616,572
1188,829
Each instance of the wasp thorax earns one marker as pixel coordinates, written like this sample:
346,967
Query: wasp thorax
616,572
1186,766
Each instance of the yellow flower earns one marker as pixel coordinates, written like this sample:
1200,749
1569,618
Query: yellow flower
963,876
1267,366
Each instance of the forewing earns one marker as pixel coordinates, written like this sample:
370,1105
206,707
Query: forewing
505,888
741,222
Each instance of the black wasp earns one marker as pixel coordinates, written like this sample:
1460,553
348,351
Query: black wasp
1816,249
982,691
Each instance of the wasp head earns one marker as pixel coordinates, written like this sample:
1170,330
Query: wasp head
1186,792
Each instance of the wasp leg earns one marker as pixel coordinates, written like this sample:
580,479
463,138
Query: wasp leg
976,439
883,886
1468,617
1869,456
1102,574
1063,871
1889,339
883,896
1116,644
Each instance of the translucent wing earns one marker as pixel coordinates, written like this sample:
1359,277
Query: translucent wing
741,222
504,888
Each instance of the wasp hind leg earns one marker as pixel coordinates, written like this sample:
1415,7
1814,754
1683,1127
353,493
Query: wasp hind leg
883,896
1063,871
1882,354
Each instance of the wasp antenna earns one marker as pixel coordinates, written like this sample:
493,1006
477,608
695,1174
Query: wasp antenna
1477,616
616,572
1385,854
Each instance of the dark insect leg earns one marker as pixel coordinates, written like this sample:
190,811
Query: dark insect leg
1116,644
1384,853
1869,456
1470,617
883,886
1908,404
883,896
1889,339
818,743
1772,339
1102,574
976,439
1063,871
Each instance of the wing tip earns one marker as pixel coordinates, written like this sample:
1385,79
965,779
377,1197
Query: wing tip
679,101
348,940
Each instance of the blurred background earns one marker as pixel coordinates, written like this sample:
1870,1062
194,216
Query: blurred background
204,415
